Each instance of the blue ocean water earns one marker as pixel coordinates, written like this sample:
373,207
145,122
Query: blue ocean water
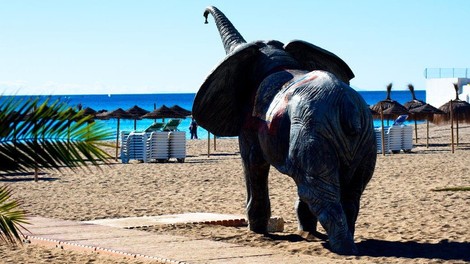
185,100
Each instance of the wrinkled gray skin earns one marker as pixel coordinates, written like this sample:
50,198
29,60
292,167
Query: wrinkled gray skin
292,108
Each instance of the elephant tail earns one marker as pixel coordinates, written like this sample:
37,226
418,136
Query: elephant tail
230,36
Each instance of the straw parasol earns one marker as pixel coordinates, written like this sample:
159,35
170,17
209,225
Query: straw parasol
387,108
181,110
373,112
89,111
384,104
381,107
118,114
415,103
163,112
395,110
136,112
425,112
457,110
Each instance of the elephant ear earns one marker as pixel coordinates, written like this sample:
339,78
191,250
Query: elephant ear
218,105
312,58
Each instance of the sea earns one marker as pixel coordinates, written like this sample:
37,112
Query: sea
185,100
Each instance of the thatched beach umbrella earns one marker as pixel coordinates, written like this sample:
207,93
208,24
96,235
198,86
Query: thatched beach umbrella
89,111
425,112
102,114
395,110
136,112
181,110
118,114
373,112
457,110
415,103
384,104
163,112
381,107
387,108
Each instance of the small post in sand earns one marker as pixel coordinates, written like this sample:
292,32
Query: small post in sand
451,127
208,144
382,132
215,143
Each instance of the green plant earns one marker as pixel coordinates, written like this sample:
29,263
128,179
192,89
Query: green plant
35,134
11,217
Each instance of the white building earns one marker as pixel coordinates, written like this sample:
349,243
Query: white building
440,85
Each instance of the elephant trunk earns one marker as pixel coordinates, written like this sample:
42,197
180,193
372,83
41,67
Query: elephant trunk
230,36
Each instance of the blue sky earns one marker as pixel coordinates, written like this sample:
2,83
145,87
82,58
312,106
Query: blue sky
89,47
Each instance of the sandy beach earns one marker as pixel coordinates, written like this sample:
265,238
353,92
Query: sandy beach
403,219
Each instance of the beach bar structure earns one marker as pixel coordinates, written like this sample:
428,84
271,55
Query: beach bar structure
440,81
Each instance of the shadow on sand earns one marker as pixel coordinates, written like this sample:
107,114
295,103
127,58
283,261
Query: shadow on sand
24,176
444,250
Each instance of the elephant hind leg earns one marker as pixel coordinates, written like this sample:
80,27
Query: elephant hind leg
351,195
256,171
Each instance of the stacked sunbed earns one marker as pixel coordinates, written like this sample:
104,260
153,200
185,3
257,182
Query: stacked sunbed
156,143
396,138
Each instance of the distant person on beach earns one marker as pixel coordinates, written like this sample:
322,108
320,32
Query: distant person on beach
193,129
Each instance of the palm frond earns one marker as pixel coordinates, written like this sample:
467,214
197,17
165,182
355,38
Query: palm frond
11,218
38,134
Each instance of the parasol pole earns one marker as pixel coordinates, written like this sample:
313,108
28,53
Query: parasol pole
416,131
427,133
215,143
36,169
451,127
155,107
117,140
208,144
382,133
457,129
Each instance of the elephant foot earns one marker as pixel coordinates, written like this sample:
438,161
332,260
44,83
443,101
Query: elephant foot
258,230
340,238
259,227
344,246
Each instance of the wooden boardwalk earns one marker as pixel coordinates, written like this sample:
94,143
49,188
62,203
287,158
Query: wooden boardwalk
136,244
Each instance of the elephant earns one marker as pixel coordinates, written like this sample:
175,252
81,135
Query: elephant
292,108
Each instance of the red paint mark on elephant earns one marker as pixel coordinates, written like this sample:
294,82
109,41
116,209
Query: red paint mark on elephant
275,122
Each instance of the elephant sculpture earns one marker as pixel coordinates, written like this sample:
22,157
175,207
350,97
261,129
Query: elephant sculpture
291,107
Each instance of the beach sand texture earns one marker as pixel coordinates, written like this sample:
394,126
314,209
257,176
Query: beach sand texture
402,218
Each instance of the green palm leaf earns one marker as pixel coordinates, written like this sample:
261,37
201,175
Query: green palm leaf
34,134
37,135
11,217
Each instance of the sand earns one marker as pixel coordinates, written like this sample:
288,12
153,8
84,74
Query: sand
402,218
